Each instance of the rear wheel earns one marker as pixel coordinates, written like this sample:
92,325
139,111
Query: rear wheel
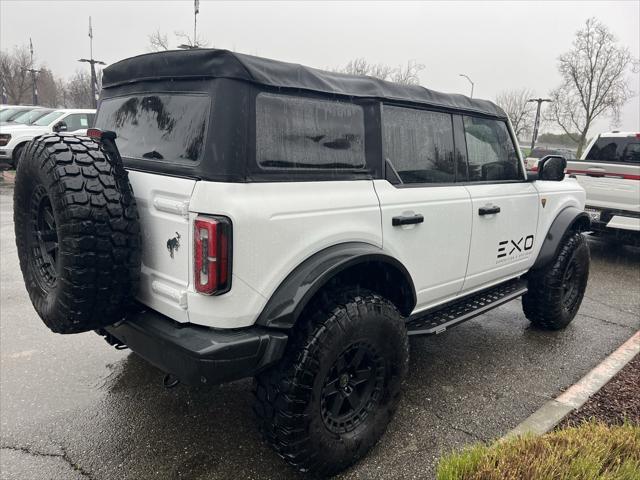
556,291
331,397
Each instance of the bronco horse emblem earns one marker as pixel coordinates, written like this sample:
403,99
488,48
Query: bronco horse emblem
173,244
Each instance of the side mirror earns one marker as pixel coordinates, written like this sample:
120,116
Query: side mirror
552,168
60,127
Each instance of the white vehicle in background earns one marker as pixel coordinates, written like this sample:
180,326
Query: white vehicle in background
9,112
609,171
14,137
538,153
26,117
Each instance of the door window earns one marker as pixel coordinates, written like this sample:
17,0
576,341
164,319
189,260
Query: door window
419,144
490,150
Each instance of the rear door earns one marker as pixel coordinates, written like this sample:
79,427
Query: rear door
153,130
610,173
504,206
426,215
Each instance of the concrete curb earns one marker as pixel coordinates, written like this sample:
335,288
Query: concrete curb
552,412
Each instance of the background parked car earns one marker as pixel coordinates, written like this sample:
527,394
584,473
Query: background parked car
14,137
538,153
9,112
609,171
27,117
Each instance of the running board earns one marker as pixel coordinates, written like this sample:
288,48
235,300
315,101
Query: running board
446,316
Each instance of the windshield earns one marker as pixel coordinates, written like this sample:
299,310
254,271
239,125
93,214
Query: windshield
157,127
8,114
48,118
27,118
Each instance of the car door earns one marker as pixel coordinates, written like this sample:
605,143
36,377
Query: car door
426,215
504,205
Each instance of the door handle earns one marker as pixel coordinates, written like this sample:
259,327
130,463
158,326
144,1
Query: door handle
489,210
412,220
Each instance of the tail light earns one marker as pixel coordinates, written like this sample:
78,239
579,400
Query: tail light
94,133
212,255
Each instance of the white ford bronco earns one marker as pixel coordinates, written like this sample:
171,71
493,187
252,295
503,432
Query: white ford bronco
233,216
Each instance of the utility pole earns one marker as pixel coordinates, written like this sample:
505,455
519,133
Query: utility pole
34,73
536,124
470,81
196,10
194,42
92,62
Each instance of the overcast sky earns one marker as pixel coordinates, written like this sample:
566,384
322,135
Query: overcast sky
500,45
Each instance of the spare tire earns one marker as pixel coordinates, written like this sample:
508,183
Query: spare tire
77,233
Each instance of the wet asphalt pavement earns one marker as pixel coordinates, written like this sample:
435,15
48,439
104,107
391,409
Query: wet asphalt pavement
72,407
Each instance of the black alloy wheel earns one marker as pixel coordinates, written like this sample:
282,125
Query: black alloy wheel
45,239
352,388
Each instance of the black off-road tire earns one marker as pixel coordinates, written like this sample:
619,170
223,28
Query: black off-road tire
556,291
77,233
295,400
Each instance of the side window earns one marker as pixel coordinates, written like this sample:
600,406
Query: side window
419,144
492,155
76,121
304,133
632,153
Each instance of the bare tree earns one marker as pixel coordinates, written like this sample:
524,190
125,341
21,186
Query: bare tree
185,39
78,91
521,113
594,81
48,94
13,77
158,41
407,75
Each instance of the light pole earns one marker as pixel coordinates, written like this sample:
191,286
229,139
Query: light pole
539,101
34,73
470,81
92,62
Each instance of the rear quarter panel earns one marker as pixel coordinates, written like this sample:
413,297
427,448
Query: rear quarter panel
275,227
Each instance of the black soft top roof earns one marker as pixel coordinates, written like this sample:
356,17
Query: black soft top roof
215,63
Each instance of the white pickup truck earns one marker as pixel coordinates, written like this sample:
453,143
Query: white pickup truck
609,171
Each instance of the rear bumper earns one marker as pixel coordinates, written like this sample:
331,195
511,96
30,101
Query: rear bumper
199,355
615,220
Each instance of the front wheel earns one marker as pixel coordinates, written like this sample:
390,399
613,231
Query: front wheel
556,291
332,395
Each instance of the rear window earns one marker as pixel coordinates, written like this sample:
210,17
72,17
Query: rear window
304,133
615,149
162,127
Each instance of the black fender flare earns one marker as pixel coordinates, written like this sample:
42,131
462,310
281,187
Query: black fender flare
569,219
287,302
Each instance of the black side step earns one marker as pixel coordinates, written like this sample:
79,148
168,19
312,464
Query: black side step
445,316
